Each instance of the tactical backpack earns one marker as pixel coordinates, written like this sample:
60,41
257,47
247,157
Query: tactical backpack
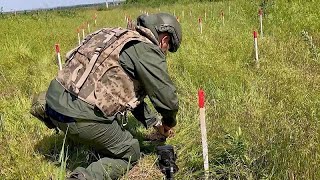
92,71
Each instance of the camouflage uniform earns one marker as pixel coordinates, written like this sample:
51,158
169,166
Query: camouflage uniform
89,124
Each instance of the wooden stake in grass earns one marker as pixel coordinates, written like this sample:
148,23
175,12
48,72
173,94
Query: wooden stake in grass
260,17
205,16
83,33
1,122
95,19
178,19
130,24
88,24
182,14
255,37
201,98
222,17
78,32
200,24
58,56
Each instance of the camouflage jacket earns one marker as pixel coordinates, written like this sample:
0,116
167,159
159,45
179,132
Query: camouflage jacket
142,63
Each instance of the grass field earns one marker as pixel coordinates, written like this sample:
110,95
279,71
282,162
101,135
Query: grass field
262,122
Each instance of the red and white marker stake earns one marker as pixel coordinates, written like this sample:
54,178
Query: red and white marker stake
260,16
205,16
58,56
222,17
255,36
88,27
78,32
205,154
200,24
95,19
83,33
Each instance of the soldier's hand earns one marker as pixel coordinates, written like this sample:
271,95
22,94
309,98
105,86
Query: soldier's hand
165,131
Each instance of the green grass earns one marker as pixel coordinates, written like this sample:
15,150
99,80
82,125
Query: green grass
262,123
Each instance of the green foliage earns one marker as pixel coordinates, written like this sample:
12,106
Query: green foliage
262,123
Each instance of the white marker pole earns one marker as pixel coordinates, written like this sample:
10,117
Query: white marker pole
107,4
205,16
78,32
255,36
200,24
201,98
260,15
88,27
58,56
83,33
95,19
222,17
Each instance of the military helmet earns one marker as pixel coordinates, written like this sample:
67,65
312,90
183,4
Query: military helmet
163,22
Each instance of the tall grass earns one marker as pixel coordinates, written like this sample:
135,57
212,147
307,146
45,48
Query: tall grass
263,123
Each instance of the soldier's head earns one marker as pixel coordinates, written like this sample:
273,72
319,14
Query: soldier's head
165,28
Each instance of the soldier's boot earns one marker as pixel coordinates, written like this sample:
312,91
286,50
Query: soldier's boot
76,176
38,109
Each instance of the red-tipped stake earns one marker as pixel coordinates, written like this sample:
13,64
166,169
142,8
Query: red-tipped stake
255,36
201,98
200,24
58,56
88,27
78,32
129,24
95,19
260,17
205,16
222,17
83,33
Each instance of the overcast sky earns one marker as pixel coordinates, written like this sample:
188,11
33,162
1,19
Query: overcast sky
12,5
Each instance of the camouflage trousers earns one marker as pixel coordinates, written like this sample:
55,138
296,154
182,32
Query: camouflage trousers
115,145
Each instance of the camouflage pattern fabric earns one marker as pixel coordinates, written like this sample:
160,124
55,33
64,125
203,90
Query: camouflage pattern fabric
93,73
